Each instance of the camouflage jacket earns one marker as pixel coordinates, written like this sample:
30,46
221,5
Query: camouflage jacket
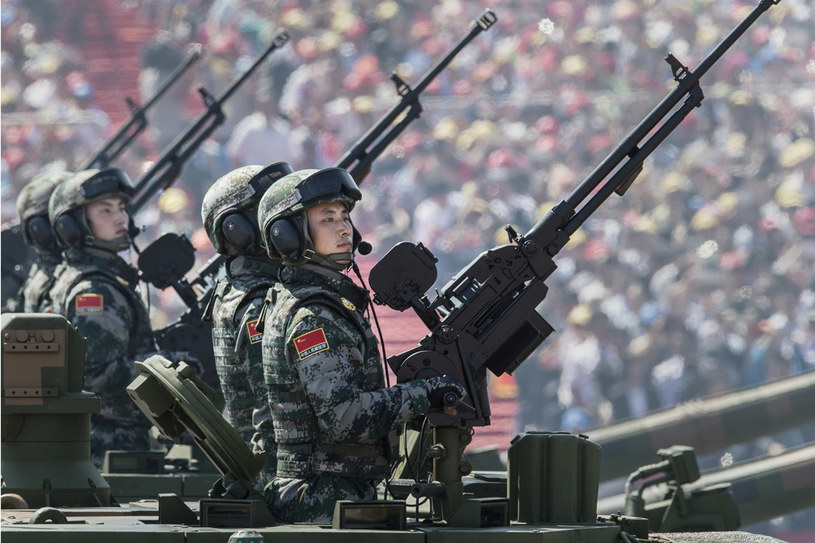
35,290
234,310
97,294
322,366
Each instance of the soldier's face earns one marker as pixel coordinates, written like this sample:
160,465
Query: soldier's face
330,226
107,218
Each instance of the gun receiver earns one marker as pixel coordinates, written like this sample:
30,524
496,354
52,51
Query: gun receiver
485,317
359,158
168,166
138,118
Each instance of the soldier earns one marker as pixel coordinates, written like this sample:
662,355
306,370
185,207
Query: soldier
331,411
96,292
32,209
229,213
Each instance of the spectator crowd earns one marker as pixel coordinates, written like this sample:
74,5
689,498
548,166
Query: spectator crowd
699,280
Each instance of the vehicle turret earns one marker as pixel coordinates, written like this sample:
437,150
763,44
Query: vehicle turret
46,416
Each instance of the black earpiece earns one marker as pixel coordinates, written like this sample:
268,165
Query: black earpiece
68,231
40,233
240,233
287,238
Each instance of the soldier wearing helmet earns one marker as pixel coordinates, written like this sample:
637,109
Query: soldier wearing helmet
32,209
229,213
332,413
96,292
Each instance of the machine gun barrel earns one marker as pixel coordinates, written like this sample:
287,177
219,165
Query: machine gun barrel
138,119
359,158
708,425
630,147
168,166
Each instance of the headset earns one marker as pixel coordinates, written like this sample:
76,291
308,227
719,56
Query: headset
40,234
239,228
287,235
68,230
288,238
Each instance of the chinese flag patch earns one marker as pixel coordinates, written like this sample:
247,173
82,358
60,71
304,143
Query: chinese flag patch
311,343
252,328
90,304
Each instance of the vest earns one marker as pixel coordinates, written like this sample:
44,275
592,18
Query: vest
41,278
231,310
80,266
303,449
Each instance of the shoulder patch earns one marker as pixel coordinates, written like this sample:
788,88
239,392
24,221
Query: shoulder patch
348,305
252,328
311,343
90,304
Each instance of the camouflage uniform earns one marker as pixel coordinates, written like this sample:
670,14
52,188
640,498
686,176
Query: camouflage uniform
331,412
96,291
229,214
41,276
32,209
97,294
235,307
332,415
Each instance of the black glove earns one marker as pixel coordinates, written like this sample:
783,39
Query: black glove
444,391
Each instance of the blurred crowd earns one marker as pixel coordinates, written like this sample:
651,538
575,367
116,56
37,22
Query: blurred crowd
699,280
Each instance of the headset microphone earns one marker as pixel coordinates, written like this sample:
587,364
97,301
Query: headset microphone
364,248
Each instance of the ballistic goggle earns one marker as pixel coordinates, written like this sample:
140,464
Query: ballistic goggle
107,181
324,183
266,177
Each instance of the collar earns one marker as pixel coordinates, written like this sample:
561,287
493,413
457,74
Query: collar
254,266
104,260
328,279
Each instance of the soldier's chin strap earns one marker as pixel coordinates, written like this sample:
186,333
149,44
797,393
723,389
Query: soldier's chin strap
376,321
335,261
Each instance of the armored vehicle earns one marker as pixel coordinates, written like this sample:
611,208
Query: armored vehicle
52,492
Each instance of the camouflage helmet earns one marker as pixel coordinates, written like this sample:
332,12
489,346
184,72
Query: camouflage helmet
229,208
32,209
281,212
66,208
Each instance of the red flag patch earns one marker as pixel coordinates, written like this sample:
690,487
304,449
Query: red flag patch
90,304
252,328
311,343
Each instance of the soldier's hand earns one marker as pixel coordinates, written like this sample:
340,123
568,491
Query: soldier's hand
444,392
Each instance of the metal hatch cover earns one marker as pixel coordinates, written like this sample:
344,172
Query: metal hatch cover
174,399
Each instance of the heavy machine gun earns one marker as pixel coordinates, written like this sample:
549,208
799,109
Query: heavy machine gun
485,317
